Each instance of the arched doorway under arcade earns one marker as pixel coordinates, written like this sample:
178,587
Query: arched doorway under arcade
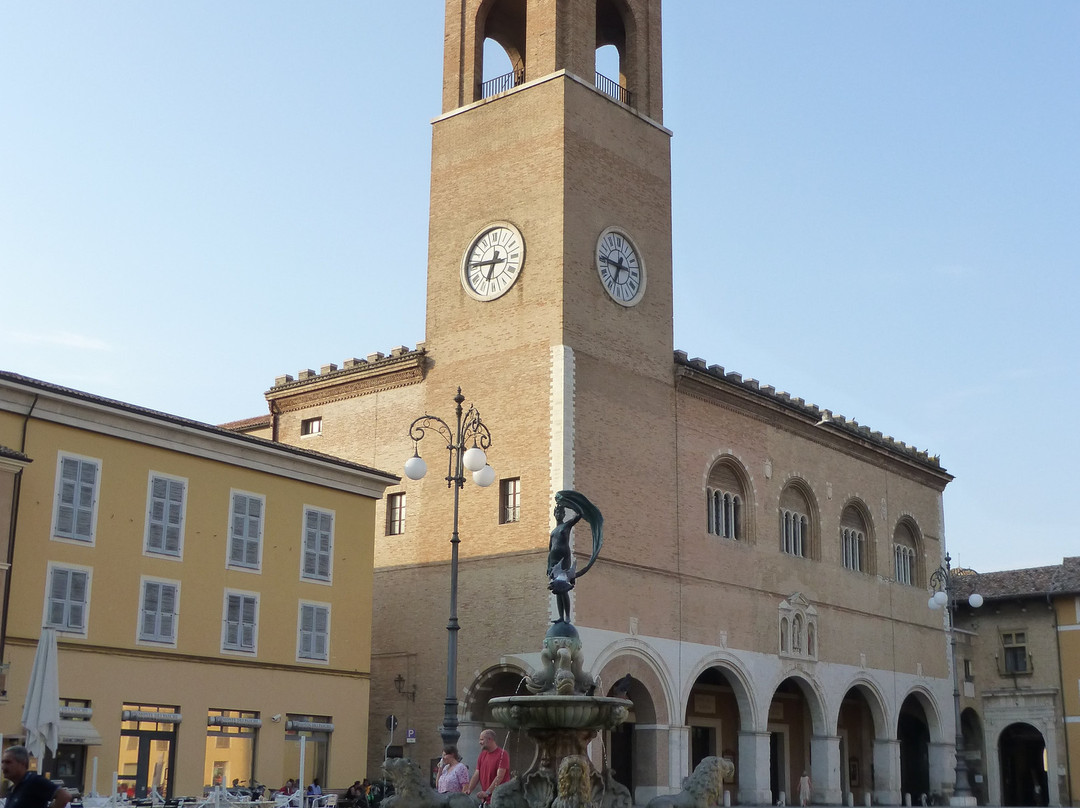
1022,751
974,754
864,741
714,719
637,752
913,733
795,717
503,680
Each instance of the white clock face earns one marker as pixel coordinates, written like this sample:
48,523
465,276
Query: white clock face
621,268
493,261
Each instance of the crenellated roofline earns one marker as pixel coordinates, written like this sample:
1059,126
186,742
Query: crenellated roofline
849,429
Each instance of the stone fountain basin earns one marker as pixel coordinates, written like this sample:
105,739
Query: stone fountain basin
560,712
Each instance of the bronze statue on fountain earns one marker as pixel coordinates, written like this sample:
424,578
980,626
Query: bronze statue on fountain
562,715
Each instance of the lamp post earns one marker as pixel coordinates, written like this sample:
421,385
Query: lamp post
943,582
468,429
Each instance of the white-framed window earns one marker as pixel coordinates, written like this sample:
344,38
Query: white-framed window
77,484
166,503
240,622
318,544
793,532
313,632
904,558
725,514
311,426
159,611
246,530
67,598
853,546
510,500
396,506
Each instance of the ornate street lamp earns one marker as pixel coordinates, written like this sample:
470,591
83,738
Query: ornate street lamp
466,442
943,582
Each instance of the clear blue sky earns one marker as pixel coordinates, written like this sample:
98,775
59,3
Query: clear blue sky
876,208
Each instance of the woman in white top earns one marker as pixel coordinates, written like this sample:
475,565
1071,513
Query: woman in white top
453,774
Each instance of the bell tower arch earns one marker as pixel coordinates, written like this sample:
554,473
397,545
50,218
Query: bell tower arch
545,36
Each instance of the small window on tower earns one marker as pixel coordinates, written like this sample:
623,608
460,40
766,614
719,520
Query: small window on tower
311,426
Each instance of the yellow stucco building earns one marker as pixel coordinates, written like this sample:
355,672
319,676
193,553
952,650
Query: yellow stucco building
211,594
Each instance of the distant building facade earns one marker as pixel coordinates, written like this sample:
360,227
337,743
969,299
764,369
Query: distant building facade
1019,660
765,567
211,594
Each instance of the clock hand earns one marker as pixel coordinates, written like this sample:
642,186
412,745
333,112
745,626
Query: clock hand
617,264
474,264
495,260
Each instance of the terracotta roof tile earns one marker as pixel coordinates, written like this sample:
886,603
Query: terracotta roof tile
1059,579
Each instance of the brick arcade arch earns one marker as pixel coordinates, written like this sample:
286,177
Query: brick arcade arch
475,715
862,726
636,751
917,726
796,714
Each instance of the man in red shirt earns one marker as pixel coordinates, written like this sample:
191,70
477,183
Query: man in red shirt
492,767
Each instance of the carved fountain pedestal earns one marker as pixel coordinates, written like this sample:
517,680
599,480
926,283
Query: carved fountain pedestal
562,720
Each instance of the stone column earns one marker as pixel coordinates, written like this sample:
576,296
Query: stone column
886,772
468,744
942,769
992,763
678,757
754,788
651,764
825,770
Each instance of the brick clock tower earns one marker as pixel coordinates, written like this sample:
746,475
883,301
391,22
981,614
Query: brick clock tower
574,184
549,302
549,293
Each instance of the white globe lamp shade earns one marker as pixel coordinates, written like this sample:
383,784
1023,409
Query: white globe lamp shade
474,459
941,598
933,604
415,467
975,601
484,477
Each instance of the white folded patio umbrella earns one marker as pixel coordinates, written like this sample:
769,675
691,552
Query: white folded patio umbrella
41,713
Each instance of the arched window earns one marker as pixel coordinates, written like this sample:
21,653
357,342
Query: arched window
726,501
796,537
853,543
906,554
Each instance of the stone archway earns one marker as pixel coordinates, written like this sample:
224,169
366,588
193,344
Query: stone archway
913,732
861,727
714,718
796,717
637,751
974,754
503,680
1022,751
